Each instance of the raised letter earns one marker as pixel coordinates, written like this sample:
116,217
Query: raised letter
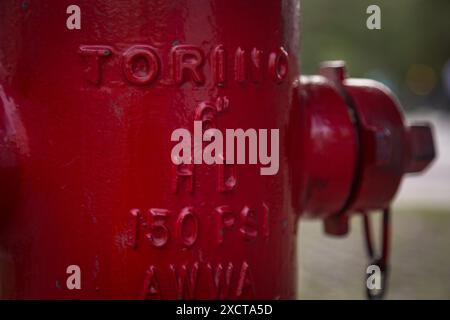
220,280
187,238
225,219
245,281
151,285
256,65
185,281
96,55
140,65
248,229
186,58
240,65
219,66
278,65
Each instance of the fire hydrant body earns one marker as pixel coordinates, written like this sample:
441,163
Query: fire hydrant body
87,178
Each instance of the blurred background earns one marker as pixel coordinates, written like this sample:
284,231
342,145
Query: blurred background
411,55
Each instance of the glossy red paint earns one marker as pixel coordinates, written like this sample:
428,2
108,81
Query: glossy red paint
86,118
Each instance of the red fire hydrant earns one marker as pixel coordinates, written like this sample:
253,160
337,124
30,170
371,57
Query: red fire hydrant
89,187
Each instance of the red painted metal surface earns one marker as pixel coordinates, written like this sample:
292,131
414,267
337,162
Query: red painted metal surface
86,119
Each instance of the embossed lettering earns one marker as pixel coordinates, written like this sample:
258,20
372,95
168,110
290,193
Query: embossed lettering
95,56
240,68
183,172
140,65
249,224
158,233
227,176
188,235
225,218
245,282
151,285
220,280
278,65
135,220
185,280
256,57
219,65
187,59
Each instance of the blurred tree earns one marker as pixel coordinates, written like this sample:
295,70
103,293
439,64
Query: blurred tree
414,32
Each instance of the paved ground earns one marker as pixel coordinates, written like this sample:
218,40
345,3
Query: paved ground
333,268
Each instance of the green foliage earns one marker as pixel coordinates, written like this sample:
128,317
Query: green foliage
413,32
